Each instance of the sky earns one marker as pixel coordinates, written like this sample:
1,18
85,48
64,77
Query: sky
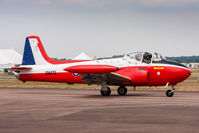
102,28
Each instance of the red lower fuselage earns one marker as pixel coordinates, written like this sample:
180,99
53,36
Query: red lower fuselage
139,75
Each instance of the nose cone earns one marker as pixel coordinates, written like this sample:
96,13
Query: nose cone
188,73
182,71
178,73
184,74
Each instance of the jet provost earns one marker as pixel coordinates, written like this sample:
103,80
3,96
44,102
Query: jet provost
135,69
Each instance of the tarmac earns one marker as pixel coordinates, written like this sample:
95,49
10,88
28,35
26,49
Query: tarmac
35,110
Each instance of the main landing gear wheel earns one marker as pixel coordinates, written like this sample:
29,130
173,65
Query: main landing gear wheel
106,92
122,90
170,93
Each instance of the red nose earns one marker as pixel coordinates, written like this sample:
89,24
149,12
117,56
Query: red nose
185,74
188,72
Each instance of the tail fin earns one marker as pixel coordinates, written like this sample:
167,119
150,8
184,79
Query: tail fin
34,53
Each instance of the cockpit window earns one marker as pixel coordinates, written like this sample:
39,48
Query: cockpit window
157,57
137,56
147,57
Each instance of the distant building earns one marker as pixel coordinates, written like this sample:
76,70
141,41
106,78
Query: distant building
9,58
82,56
191,65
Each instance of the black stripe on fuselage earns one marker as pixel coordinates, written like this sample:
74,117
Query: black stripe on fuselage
163,61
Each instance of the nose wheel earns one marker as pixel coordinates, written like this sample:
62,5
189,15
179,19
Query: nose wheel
170,93
122,90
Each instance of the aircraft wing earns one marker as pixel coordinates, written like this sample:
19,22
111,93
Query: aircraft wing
114,78
110,78
97,73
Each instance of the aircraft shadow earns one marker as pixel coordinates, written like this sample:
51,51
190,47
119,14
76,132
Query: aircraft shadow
128,95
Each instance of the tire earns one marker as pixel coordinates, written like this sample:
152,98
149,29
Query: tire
122,90
169,93
106,92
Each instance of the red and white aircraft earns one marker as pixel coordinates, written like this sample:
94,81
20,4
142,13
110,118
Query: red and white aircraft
135,69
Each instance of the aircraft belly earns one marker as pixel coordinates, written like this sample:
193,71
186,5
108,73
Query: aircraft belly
129,76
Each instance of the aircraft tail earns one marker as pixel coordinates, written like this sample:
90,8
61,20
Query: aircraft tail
34,53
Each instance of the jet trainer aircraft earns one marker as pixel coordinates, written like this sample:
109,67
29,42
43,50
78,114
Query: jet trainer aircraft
135,69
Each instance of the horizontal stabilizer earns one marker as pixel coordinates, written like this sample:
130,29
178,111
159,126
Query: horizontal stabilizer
91,69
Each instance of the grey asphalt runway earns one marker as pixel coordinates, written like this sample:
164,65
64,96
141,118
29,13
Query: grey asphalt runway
86,111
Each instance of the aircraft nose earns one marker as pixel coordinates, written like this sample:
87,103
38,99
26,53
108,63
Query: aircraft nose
186,73
189,72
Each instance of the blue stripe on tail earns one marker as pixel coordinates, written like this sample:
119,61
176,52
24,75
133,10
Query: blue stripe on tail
28,58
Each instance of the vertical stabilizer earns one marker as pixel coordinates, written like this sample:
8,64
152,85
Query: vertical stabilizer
34,52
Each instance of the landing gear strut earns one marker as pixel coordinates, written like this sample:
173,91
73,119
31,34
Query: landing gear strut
170,93
105,91
122,90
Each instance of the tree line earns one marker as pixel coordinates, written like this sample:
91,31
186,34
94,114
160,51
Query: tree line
185,59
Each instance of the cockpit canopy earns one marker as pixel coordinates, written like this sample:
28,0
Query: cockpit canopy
146,57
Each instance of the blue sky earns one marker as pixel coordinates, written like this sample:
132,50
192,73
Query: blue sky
102,27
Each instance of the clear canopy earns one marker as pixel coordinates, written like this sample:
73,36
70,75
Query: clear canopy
157,57
146,57
136,55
